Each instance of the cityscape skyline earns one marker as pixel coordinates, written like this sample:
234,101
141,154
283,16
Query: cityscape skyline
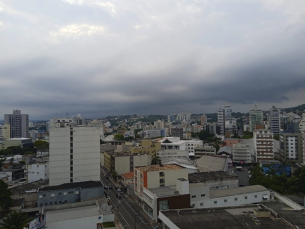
100,59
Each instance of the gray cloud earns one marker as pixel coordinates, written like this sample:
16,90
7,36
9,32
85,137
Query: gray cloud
100,58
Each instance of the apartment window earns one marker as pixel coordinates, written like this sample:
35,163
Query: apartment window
163,205
44,195
65,193
71,157
71,169
215,202
40,196
55,202
194,196
225,200
71,180
193,205
202,195
162,181
52,195
201,204
59,193
246,197
235,199
71,144
255,196
76,192
71,150
161,174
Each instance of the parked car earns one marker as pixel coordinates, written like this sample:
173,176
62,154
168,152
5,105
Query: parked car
119,190
110,187
105,187
118,195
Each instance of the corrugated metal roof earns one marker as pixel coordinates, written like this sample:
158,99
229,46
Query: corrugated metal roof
237,191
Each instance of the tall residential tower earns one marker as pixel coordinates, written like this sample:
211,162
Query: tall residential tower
19,124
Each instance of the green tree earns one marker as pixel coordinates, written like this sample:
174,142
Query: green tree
15,220
16,150
5,196
119,137
156,160
2,160
41,145
276,137
22,162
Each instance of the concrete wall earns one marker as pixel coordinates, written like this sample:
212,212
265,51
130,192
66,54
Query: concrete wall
170,177
38,172
89,193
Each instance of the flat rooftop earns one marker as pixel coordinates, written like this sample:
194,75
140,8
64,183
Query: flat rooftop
237,191
151,168
208,163
204,176
220,218
85,184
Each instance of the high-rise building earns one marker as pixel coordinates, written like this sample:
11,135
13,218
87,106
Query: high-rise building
228,112
221,121
159,124
203,120
274,120
19,124
255,118
263,144
74,152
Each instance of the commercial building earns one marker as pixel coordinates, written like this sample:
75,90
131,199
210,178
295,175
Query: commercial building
215,180
255,118
19,124
125,162
155,176
274,120
173,143
263,144
151,133
172,153
69,193
191,145
22,142
74,152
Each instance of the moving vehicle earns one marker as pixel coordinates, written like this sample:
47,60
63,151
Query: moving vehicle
118,195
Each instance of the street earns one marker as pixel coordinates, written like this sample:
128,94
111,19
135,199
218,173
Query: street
129,216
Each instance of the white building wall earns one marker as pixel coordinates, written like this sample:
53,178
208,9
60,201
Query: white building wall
192,144
86,154
85,222
170,177
38,172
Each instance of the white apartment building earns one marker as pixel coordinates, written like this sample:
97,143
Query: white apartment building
191,145
263,144
38,171
173,143
155,176
74,152
159,124
244,151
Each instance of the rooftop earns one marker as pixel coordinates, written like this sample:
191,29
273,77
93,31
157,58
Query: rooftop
151,168
129,175
237,191
85,184
207,163
203,176
220,218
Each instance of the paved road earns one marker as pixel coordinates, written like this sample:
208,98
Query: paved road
128,215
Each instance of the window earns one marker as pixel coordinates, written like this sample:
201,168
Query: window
59,193
76,192
215,202
163,205
225,200
235,199
246,197
40,196
255,196
202,195
194,196
162,181
193,205
201,204
65,193
51,203
55,202
70,192
44,195
161,174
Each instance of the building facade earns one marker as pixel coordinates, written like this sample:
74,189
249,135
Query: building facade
255,118
263,144
19,124
274,120
74,152
38,171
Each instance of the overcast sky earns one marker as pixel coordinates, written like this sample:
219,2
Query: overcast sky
100,58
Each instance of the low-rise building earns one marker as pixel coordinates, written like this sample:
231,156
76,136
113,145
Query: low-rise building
38,171
172,153
147,146
127,178
124,162
69,193
184,162
215,180
204,150
210,163
155,176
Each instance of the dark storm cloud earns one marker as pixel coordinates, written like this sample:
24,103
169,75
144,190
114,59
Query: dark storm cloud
151,57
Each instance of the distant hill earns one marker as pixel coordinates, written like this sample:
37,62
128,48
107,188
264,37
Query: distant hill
297,109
